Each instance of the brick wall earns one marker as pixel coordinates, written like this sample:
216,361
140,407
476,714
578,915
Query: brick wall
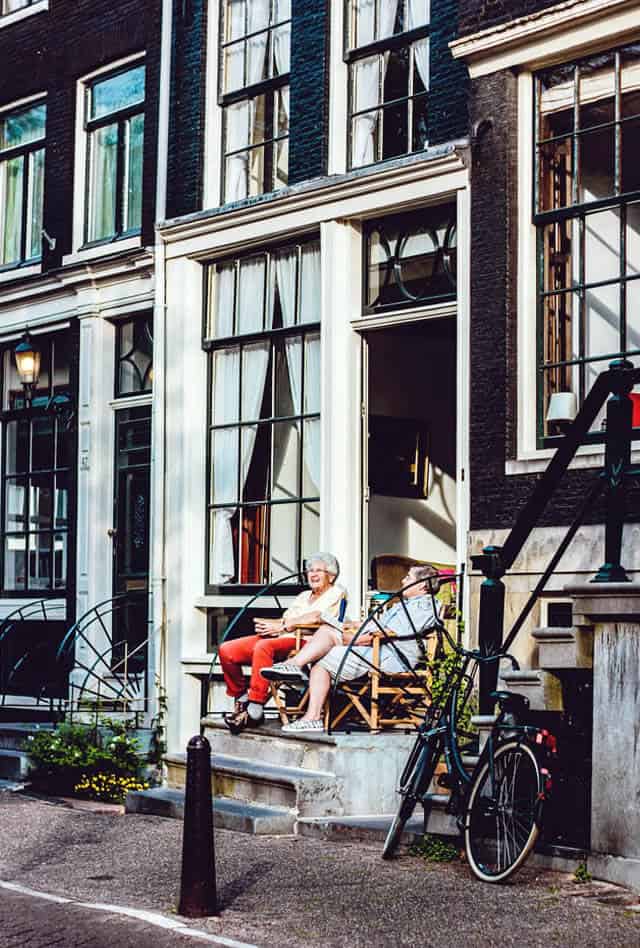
48,53
476,15
309,90
187,111
449,84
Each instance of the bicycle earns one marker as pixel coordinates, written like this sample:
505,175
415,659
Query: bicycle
499,805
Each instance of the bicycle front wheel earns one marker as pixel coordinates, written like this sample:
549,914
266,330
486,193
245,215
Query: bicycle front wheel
504,812
415,782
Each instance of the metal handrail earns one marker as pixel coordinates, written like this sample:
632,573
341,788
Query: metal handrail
263,591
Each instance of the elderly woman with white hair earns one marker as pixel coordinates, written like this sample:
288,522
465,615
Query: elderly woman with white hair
273,640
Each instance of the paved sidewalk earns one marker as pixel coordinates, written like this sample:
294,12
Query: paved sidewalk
296,892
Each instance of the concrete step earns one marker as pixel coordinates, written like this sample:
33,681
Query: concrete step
12,786
564,649
542,688
14,765
374,829
351,758
15,736
304,792
242,817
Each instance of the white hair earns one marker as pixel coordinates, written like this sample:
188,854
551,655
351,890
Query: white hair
328,560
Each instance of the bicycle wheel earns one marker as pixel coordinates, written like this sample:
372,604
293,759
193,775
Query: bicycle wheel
414,783
504,812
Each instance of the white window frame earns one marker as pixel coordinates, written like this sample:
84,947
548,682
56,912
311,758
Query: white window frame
7,19
80,194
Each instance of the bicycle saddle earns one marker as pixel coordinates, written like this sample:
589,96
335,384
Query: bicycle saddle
508,698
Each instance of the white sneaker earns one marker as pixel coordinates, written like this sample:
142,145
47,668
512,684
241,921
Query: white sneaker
284,671
296,727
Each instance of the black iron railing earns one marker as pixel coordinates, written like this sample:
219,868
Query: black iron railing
612,386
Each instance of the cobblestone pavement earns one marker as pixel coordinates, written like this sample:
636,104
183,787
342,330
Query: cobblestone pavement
292,892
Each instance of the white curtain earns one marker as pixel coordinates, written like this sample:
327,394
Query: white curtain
421,56
418,13
282,37
257,45
369,77
255,360
312,426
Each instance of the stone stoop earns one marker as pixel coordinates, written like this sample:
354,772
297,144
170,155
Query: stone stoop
542,688
564,649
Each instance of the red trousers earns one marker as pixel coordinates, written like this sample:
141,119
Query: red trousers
259,653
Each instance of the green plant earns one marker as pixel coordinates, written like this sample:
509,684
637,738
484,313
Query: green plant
60,758
157,743
443,666
581,873
435,849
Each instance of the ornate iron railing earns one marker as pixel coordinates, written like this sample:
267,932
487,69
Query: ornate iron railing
26,665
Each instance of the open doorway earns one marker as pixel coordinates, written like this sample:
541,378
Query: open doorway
410,500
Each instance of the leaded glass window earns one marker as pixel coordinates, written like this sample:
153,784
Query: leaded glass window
587,213
114,122
411,259
388,56
37,472
263,334
134,356
22,134
254,93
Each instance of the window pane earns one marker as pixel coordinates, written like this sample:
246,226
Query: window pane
17,446
281,50
225,387
420,134
602,322
256,171
61,505
234,66
254,545
117,92
16,505
556,174
557,251
283,540
256,387
60,542
367,90
135,356
396,74
602,246
418,13
36,194
630,151
311,455
235,12
256,462
310,286
40,503
132,198
286,461
224,466
11,190
223,566
22,128
310,528
40,561
13,392
223,297
395,129
312,373
63,446
596,90
597,164
288,376
42,444
633,240
633,315
251,292
103,150
557,91
15,564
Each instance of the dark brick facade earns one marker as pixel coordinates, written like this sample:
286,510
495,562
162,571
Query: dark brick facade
448,80
187,111
309,90
476,15
48,53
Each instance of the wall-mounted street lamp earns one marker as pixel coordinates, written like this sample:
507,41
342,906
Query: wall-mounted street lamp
28,364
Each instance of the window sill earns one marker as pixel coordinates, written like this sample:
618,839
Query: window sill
20,271
131,401
587,457
102,250
9,18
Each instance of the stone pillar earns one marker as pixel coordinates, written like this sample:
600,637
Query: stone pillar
613,609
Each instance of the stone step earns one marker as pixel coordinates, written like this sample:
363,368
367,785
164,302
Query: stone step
242,817
352,758
14,765
304,792
564,649
542,688
15,736
374,829
12,786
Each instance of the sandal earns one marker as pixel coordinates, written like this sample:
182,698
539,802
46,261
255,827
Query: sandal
301,725
240,719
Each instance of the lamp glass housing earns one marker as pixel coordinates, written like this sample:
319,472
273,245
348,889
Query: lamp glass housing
27,361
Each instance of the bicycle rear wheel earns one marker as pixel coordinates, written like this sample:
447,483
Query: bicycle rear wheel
414,783
504,812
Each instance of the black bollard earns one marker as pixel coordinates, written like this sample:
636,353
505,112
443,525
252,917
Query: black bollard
198,886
